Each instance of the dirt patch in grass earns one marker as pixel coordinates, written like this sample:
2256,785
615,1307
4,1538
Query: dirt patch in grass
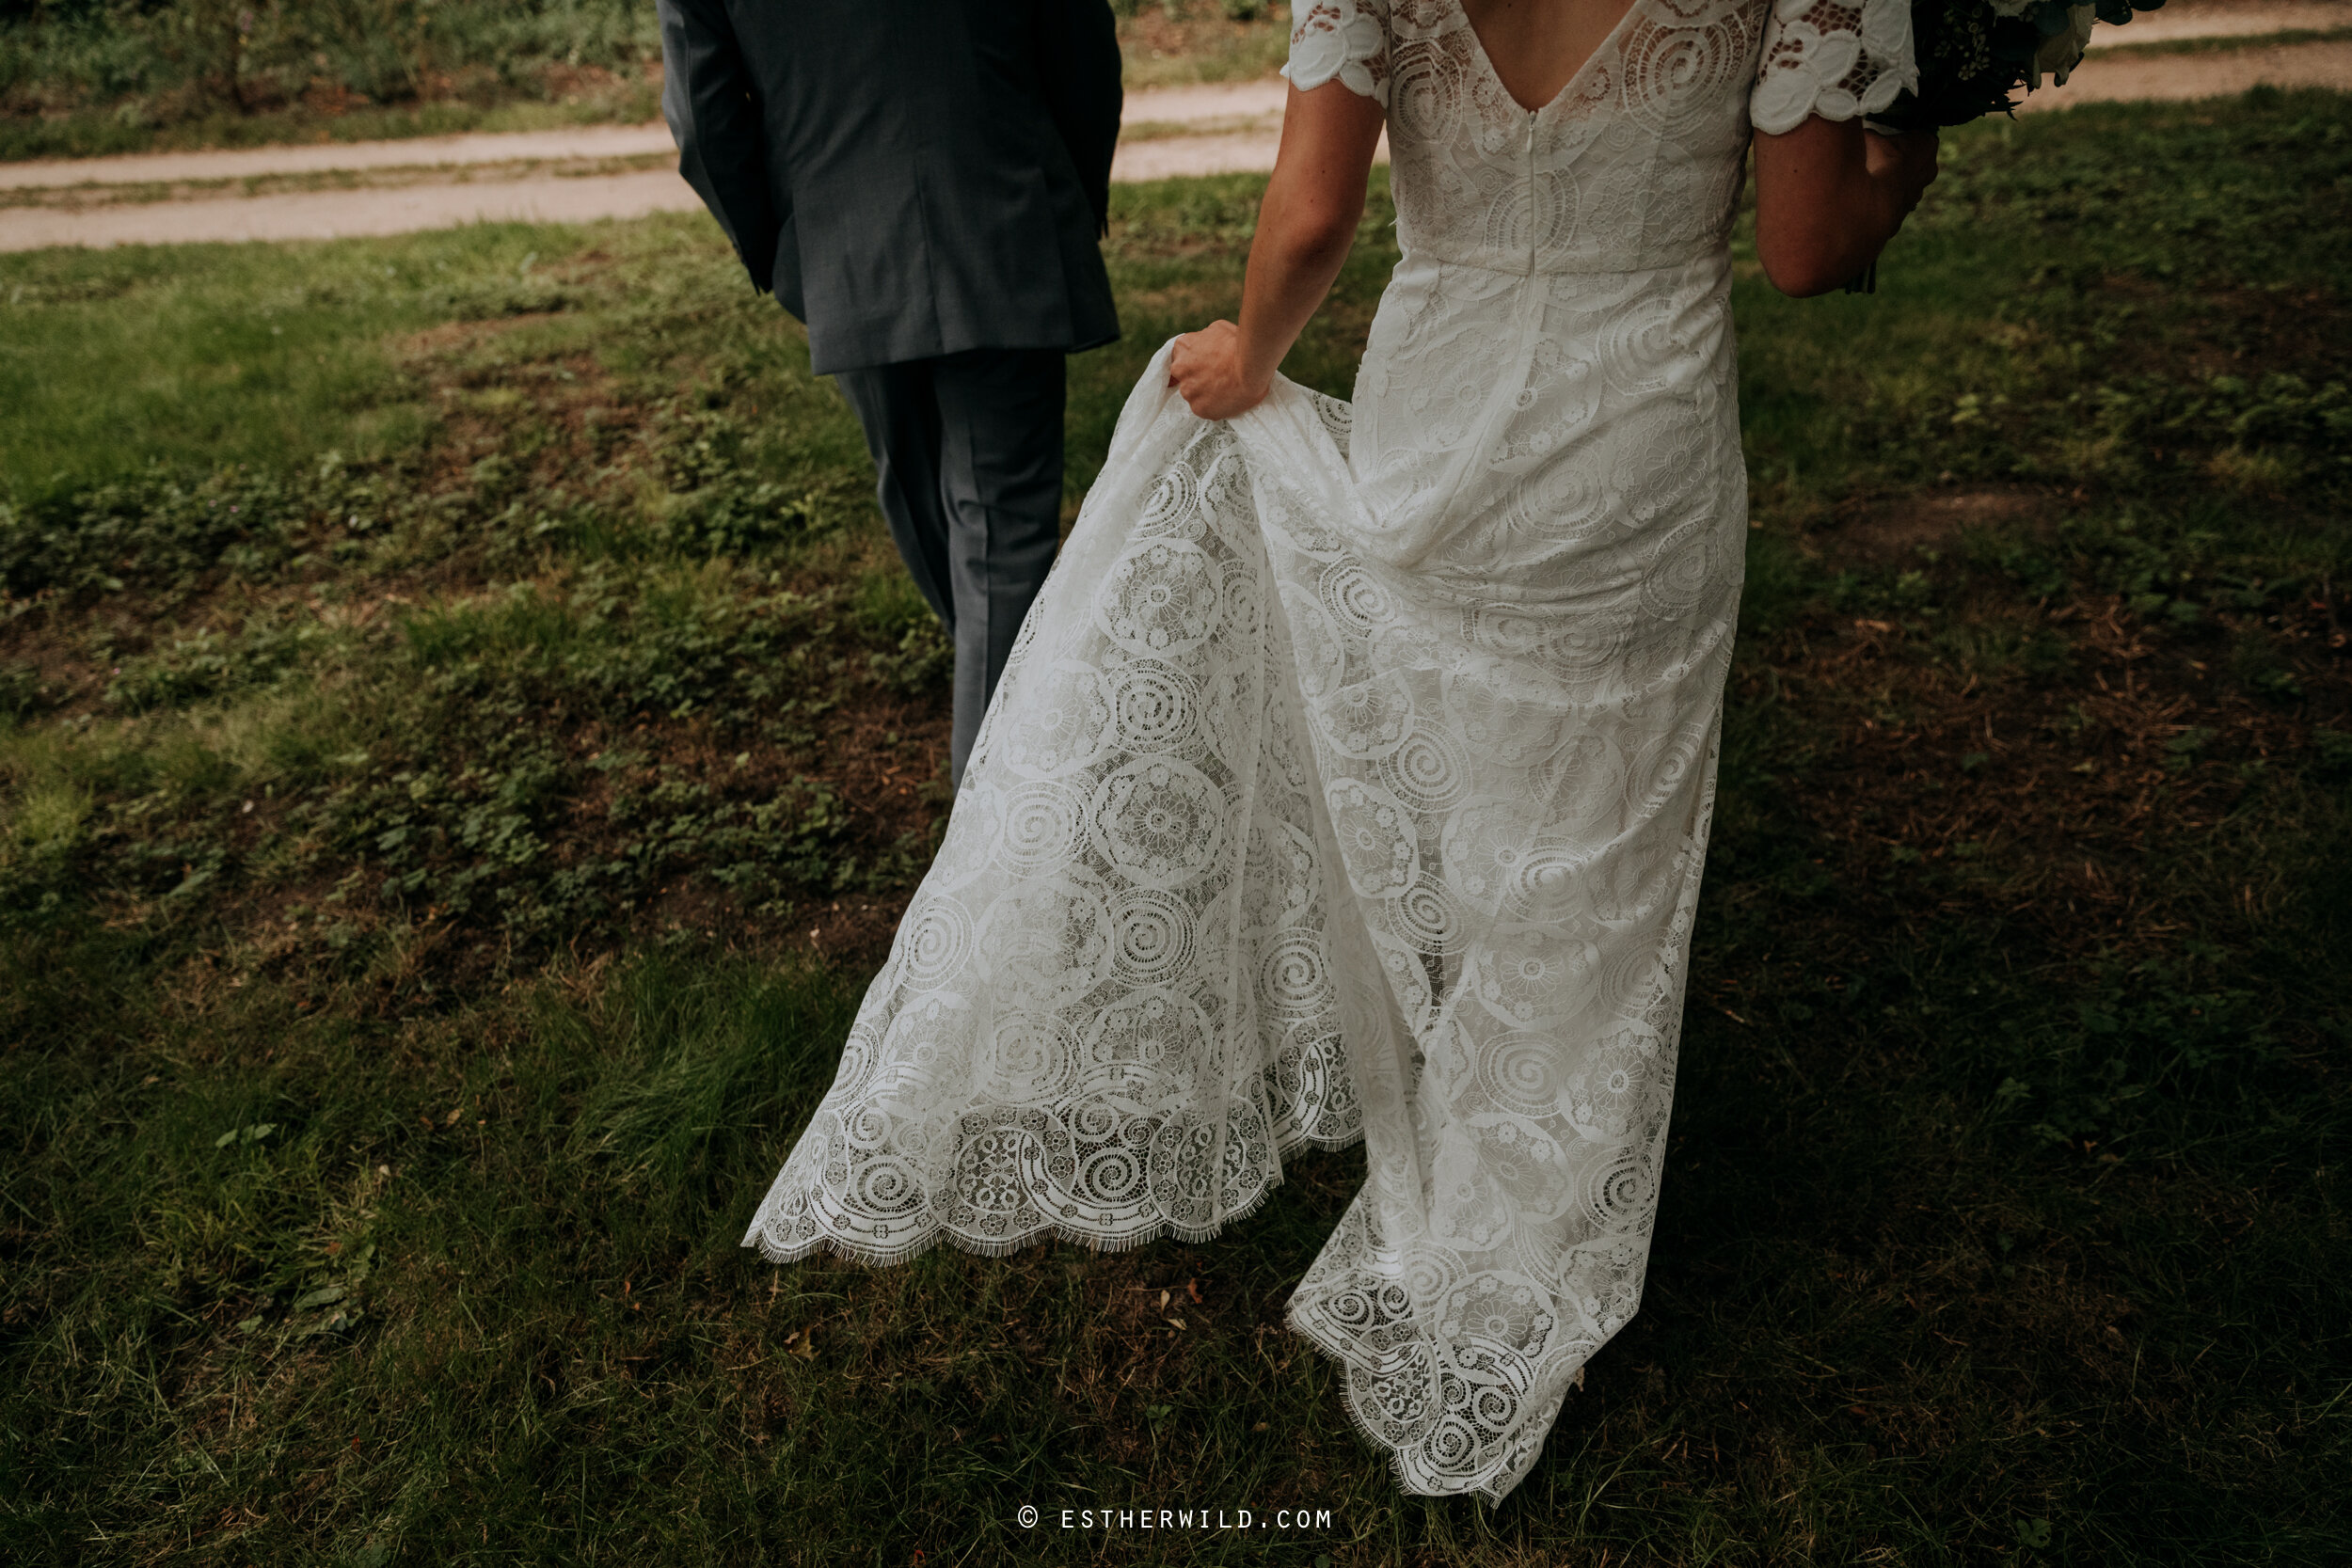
1888,530
2038,799
2148,328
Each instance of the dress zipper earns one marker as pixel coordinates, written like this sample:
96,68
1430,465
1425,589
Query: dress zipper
1531,191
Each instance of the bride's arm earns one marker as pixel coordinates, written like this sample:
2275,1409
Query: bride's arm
1829,195
1305,227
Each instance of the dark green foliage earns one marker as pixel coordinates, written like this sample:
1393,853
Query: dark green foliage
722,508
21,692
110,74
210,665
917,658
160,531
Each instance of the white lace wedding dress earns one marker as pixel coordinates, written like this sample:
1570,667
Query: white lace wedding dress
1352,775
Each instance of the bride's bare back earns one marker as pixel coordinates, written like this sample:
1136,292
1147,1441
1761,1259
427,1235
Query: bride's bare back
1537,47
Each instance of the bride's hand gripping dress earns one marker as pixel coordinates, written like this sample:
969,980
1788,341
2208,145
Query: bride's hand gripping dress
1352,776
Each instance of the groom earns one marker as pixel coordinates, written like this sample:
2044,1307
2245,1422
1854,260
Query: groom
922,181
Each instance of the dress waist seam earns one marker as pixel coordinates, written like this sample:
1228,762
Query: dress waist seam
1408,256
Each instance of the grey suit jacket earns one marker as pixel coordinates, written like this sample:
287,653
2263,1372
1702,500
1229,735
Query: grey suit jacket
913,178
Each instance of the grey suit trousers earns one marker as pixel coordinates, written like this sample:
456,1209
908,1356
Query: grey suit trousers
968,453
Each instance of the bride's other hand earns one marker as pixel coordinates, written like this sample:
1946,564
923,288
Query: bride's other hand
1905,167
1829,195
1213,375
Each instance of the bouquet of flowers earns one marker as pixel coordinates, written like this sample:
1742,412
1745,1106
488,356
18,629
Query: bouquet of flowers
1973,53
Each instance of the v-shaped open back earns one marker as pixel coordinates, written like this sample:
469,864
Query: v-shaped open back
1486,58
1633,163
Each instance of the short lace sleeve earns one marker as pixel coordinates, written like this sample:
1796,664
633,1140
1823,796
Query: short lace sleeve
1835,58
1347,40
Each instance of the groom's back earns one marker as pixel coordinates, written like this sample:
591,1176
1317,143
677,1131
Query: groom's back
937,169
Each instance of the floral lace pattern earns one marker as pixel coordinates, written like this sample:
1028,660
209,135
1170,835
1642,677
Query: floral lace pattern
1835,58
1344,41
1353,772
1113,1002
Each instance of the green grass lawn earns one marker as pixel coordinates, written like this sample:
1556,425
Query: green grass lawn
464,740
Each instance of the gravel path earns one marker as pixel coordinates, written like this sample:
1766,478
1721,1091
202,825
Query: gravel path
347,213
138,168
2219,19
1165,106
2127,74
552,176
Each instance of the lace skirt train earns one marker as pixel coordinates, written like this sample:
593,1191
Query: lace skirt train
1266,843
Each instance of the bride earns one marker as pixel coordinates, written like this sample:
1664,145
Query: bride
1352,774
